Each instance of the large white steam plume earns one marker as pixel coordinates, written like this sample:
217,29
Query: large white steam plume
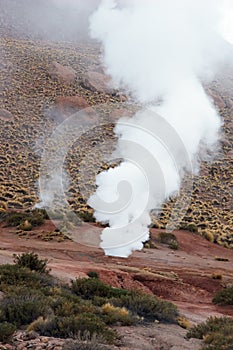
160,50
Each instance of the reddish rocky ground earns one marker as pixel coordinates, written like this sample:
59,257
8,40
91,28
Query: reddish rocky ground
184,276
189,276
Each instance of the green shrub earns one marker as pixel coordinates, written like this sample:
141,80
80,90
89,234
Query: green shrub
41,212
22,309
189,227
174,245
15,219
99,301
86,216
167,237
6,331
150,244
64,307
224,297
88,288
93,274
35,218
74,326
148,307
12,276
145,306
31,261
217,333
88,305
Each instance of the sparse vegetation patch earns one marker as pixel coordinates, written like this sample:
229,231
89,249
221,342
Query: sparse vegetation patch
33,299
224,297
217,333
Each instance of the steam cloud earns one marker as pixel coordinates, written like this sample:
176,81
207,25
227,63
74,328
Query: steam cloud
59,20
160,50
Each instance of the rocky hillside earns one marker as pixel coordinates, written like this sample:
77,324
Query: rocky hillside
43,82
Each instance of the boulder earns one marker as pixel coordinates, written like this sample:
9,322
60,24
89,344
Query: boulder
65,106
5,115
70,104
66,74
96,81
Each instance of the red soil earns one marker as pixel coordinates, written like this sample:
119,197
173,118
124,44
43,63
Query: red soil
184,277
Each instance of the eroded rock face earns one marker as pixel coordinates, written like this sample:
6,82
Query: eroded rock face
66,74
5,115
96,81
65,106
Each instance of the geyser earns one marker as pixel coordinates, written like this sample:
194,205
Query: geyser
159,50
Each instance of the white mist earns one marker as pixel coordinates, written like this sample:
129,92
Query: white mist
159,50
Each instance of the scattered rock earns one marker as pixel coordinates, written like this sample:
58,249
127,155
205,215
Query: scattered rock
70,104
22,340
65,106
65,74
6,347
157,337
5,115
96,81
30,335
21,346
